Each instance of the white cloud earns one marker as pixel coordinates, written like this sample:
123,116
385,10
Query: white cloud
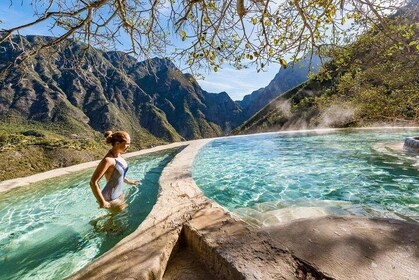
215,85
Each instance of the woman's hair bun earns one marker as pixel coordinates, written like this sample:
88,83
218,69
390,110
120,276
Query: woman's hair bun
108,135
113,137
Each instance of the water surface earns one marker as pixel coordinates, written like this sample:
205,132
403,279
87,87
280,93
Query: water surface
349,172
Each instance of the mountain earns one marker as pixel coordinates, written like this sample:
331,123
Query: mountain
372,82
280,114
286,79
111,90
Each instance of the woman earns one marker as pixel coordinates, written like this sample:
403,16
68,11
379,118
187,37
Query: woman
114,167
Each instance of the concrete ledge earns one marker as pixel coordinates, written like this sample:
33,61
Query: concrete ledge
233,250
352,247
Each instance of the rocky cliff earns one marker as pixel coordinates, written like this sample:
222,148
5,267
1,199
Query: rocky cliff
111,90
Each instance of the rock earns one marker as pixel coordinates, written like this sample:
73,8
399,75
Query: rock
33,133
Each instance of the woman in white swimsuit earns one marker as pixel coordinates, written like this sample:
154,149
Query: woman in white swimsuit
114,167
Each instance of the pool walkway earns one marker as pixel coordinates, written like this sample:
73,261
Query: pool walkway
187,236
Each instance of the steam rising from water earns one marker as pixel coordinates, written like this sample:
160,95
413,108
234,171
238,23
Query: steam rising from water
285,108
336,115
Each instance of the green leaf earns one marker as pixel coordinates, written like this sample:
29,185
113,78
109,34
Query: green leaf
183,35
283,62
212,6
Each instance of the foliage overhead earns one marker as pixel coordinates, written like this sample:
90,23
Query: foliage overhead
213,32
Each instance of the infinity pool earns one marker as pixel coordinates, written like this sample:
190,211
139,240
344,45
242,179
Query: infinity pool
300,174
51,229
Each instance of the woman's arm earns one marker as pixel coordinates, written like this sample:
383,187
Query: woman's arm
94,182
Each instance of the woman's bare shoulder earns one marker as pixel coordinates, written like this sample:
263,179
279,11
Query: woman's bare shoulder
108,160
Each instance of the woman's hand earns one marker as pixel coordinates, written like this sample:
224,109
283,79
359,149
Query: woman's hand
132,182
105,205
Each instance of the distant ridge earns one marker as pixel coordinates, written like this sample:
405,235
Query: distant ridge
113,91
284,80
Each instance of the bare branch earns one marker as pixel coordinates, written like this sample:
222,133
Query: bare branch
238,32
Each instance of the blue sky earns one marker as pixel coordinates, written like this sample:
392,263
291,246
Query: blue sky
236,83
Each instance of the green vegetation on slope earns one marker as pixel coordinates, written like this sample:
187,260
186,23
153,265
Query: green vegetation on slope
29,147
374,81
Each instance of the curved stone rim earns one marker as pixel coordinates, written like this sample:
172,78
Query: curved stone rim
152,243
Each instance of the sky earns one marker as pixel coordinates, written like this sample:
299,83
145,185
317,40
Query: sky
237,83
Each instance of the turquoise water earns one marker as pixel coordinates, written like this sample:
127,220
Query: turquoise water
48,230
357,168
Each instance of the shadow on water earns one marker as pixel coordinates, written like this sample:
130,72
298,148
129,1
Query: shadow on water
19,262
50,242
